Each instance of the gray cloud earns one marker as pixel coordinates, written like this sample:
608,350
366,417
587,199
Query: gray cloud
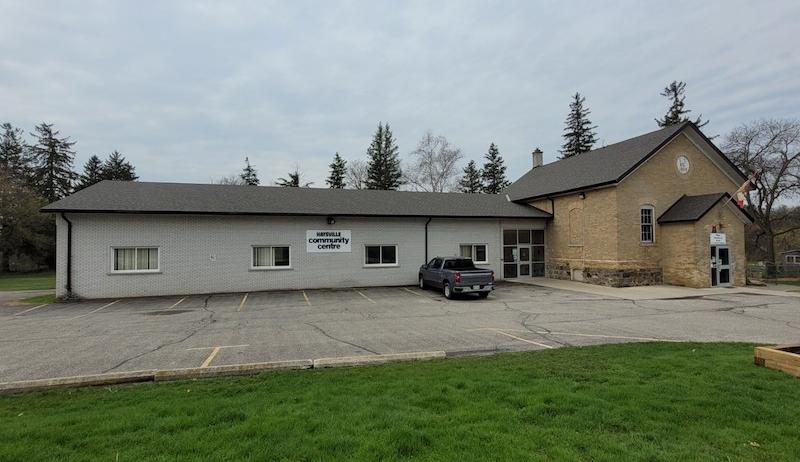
188,89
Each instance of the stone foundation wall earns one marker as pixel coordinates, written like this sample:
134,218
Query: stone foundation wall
616,277
558,271
623,277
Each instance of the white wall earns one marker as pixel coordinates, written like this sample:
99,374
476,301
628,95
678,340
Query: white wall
188,242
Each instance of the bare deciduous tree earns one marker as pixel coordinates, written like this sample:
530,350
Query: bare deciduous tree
357,174
434,166
231,180
771,150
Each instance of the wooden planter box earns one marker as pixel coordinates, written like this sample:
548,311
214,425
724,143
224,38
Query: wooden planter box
784,358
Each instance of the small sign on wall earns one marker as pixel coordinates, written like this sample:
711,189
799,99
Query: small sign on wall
327,240
718,239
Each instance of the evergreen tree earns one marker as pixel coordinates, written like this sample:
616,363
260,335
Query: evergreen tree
676,114
579,136
52,159
494,172
249,174
293,180
383,165
338,172
92,173
471,182
117,168
12,152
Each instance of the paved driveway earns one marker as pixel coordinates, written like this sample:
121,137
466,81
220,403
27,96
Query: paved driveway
173,332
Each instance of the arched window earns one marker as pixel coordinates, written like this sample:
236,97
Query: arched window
647,233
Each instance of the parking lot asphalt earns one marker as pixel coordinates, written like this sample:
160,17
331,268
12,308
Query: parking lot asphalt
98,336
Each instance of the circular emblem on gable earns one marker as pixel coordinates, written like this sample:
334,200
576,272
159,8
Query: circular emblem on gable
683,164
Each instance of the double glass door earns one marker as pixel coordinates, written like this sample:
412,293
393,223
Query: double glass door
523,253
720,266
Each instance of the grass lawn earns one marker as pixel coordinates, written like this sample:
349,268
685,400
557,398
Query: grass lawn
654,401
40,299
27,281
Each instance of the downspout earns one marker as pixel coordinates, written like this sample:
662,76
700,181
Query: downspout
426,239
69,254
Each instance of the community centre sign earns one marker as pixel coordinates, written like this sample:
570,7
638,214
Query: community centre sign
326,241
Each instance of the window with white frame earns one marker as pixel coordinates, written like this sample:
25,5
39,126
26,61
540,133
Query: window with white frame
646,224
135,259
477,252
380,255
271,256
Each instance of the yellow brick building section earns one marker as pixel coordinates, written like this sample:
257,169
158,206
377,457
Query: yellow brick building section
603,230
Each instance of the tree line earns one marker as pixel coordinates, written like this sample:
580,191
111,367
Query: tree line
34,172
433,167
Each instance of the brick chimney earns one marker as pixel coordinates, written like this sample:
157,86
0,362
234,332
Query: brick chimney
538,158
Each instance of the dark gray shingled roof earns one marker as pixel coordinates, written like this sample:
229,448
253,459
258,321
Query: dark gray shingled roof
142,197
599,167
691,208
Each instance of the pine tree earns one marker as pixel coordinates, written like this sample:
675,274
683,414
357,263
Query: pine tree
579,136
494,172
677,111
383,170
117,168
471,182
293,180
249,174
12,152
92,173
338,172
52,159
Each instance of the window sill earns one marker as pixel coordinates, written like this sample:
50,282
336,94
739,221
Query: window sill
393,265
647,244
121,273
481,262
271,268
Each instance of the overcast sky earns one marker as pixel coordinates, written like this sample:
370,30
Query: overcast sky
186,90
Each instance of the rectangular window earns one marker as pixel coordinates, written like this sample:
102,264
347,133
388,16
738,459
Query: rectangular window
646,224
380,255
143,259
270,256
477,252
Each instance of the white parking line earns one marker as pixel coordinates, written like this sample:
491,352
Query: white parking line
305,296
520,338
362,294
244,300
93,311
30,309
177,303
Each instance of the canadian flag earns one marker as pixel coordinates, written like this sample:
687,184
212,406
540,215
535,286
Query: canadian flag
741,194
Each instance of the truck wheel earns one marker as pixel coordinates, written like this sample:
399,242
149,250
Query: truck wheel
421,282
448,293
483,294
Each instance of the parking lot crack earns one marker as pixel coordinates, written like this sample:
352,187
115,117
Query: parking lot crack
322,331
204,322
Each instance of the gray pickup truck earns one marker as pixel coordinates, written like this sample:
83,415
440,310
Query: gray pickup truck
456,275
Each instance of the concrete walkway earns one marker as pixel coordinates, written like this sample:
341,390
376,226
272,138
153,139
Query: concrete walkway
662,292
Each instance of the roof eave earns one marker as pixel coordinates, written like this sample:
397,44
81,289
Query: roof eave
309,214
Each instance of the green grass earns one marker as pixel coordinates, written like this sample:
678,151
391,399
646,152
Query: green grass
27,281
794,282
655,402
40,299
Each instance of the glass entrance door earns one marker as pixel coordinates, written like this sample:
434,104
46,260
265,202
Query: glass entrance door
720,266
523,253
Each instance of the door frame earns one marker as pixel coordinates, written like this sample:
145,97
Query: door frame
717,267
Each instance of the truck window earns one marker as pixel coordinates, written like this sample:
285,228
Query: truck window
459,264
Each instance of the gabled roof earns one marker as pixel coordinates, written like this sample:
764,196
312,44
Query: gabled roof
692,208
182,198
602,167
